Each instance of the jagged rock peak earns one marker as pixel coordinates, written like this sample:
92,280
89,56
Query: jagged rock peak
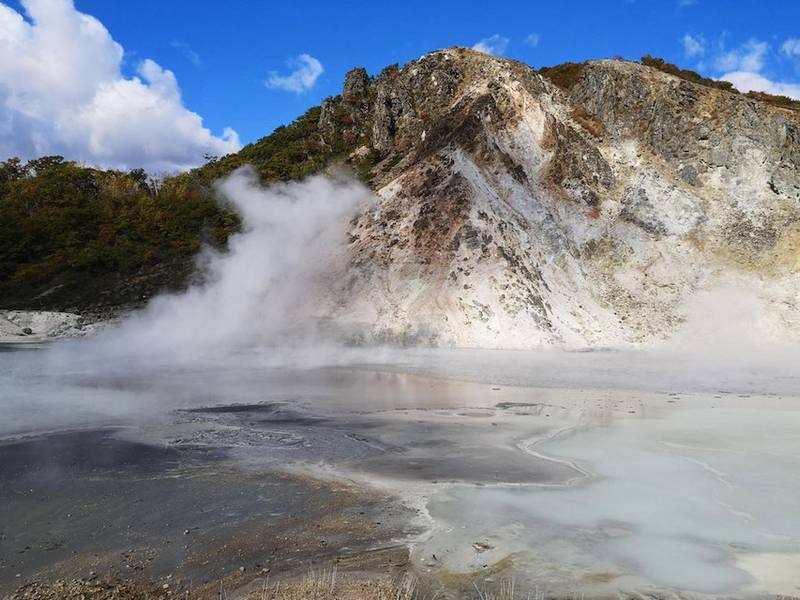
516,213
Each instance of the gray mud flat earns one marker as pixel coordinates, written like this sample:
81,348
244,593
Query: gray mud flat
469,469
81,502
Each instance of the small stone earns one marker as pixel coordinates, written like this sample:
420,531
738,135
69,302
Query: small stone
241,569
27,330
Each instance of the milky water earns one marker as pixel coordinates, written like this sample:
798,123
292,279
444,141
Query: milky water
681,501
580,474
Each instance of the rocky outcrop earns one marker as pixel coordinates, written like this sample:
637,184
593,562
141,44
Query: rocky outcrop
36,326
513,213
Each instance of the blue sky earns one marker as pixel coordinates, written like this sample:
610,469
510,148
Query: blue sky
221,53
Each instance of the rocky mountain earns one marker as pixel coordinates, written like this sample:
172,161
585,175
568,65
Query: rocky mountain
592,204
515,212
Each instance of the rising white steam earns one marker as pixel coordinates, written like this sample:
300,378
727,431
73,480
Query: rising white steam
269,289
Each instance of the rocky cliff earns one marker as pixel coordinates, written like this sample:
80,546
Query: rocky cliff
517,213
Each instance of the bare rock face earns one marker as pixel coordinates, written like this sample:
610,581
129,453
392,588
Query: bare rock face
516,214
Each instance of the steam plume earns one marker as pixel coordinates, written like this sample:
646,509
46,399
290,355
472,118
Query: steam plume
268,289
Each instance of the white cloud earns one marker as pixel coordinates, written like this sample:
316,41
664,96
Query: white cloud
749,57
694,45
494,45
62,91
533,39
791,47
746,82
743,68
307,70
187,52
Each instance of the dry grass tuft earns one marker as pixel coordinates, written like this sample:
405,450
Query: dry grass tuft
588,121
565,75
317,585
330,585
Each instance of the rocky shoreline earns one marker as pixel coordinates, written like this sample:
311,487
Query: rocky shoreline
31,326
